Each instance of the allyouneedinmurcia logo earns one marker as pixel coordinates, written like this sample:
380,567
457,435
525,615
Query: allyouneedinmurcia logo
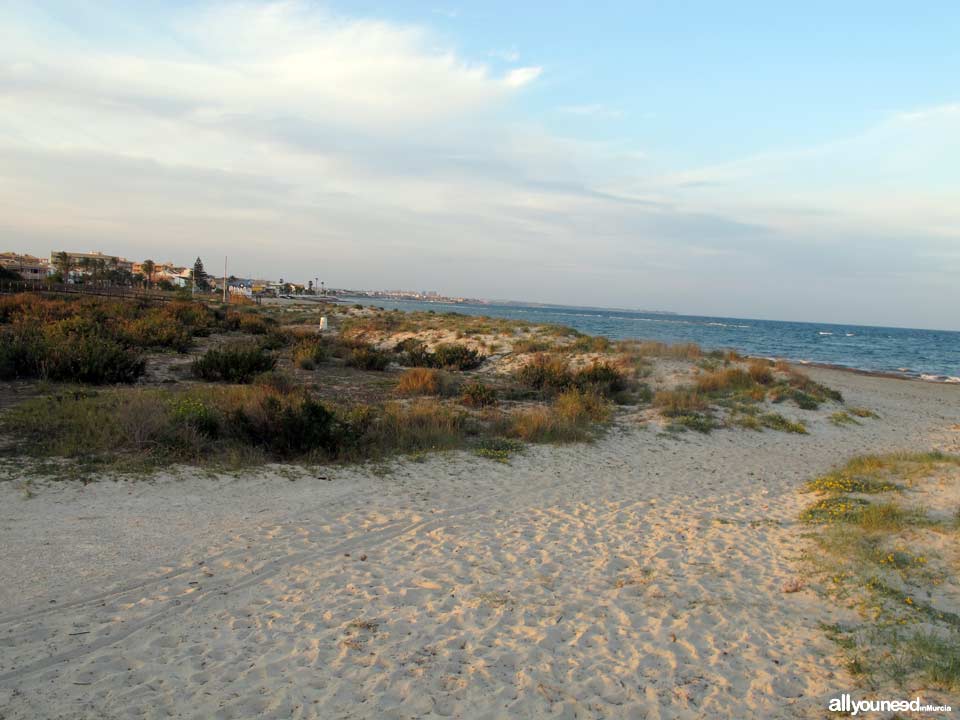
847,704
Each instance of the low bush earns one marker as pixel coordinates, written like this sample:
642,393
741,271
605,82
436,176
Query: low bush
478,395
287,425
253,325
531,345
158,331
570,418
57,352
760,372
722,381
419,381
420,425
700,422
367,357
681,401
236,363
451,356
308,353
545,373
457,357
591,344
600,377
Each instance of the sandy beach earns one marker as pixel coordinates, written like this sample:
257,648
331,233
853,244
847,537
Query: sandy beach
641,576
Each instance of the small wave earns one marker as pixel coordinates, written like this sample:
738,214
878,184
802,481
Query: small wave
851,334
940,378
824,333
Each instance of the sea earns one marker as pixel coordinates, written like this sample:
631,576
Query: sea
932,355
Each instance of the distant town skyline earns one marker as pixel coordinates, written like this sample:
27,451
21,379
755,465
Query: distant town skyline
740,160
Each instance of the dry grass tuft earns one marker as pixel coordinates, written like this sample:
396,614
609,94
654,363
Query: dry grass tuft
419,381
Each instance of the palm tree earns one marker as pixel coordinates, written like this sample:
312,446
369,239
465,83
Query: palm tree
149,267
61,261
86,264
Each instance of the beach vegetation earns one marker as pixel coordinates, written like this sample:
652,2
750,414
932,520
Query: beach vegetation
477,395
572,416
532,345
875,550
425,381
309,352
237,362
680,401
497,448
368,357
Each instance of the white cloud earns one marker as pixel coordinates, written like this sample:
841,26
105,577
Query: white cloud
292,139
518,77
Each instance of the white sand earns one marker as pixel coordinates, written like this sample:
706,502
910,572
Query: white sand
640,577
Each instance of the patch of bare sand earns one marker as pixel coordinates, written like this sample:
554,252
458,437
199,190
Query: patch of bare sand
642,576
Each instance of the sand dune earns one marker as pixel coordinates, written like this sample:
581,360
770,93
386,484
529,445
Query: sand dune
639,577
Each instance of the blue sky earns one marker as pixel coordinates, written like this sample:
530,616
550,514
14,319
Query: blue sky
746,159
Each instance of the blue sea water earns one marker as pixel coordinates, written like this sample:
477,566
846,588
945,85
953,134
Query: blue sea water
931,354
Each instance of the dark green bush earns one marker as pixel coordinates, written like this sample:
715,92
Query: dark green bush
233,363
600,377
368,358
476,394
288,426
455,356
546,373
449,356
55,352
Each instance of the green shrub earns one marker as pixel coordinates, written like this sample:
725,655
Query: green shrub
591,344
600,377
545,373
158,330
368,358
196,414
287,425
477,395
253,324
237,363
531,345
450,356
308,353
55,352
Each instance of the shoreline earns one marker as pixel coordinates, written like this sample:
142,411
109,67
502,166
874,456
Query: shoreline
706,344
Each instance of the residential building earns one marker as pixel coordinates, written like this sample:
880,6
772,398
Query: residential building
28,266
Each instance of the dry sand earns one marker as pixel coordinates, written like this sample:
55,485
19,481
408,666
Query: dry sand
638,577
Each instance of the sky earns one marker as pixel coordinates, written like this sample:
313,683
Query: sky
795,161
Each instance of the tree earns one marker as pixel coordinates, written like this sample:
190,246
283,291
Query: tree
61,261
149,267
199,276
